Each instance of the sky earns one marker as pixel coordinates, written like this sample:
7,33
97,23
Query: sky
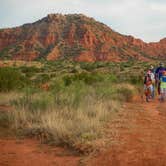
144,19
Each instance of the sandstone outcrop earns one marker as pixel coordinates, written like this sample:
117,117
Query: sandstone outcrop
74,36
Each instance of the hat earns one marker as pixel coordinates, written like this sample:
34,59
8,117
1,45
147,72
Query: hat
151,67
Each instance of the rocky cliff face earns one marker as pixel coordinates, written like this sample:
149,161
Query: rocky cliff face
74,36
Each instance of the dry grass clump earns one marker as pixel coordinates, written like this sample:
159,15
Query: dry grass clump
124,92
72,115
6,97
74,127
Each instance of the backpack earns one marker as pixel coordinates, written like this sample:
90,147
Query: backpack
147,80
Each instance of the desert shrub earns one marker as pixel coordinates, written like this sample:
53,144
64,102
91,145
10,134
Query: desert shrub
136,80
4,119
89,78
79,86
33,100
6,97
88,66
67,125
124,92
42,78
85,77
96,65
71,95
29,71
11,78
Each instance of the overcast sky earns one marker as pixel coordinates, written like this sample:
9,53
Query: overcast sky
144,19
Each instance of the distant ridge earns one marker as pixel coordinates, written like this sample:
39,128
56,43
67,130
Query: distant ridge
77,37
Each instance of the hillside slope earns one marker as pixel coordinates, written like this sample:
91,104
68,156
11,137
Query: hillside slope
74,36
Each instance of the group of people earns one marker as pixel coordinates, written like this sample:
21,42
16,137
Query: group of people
155,77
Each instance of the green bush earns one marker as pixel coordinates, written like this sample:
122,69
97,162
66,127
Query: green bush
11,78
29,71
33,100
42,78
85,77
136,80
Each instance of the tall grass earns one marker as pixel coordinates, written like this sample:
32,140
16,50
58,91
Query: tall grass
62,124
70,115
7,97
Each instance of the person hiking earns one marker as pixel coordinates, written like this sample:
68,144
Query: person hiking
148,86
152,75
158,74
163,86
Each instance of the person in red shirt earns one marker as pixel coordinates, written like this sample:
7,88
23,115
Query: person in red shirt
148,85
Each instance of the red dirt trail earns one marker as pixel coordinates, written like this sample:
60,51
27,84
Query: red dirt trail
136,137
31,153
141,138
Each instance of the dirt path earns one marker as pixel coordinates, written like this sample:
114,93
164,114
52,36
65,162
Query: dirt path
32,153
140,138
136,137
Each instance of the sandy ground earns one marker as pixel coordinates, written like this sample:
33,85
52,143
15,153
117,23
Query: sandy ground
31,153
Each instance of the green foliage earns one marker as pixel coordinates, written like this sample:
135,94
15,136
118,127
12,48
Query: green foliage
42,78
29,71
32,69
33,100
4,120
11,78
87,78
136,80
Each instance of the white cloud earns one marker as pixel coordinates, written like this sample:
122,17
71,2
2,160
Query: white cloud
158,7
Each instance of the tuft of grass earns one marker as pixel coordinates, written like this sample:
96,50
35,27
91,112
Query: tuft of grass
76,120
7,97
124,92
65,126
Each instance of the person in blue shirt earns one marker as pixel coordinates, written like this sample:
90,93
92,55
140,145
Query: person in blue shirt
158,74
163,86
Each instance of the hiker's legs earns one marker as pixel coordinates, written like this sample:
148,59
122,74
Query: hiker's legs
158,87
161,94
164,93
152,91
148,93
154,88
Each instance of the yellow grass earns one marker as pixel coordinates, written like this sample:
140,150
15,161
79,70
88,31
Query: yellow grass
5,98
65,126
